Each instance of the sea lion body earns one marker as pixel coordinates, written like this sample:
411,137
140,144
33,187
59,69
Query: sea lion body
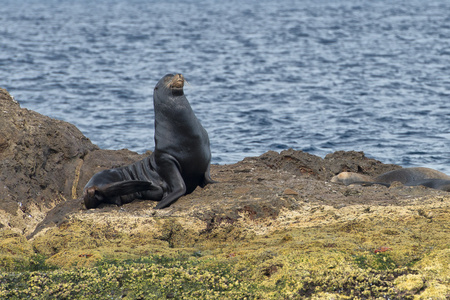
182,151
180,162
348,178
438,184
408,176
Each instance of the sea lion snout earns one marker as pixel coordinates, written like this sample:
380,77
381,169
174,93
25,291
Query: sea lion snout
177,82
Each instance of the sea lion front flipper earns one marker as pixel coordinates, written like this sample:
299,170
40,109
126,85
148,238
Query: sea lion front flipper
169,170
177,191
366,183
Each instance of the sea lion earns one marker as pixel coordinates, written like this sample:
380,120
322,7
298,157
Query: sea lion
408,176
180,162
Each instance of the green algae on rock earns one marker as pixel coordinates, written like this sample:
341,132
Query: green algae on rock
274,227
313,251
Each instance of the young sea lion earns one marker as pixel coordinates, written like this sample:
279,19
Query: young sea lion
180,162
408,176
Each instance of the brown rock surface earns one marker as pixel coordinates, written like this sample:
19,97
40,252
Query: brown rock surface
278,203
45,164
42,163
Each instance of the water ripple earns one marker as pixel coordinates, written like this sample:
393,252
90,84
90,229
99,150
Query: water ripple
317,76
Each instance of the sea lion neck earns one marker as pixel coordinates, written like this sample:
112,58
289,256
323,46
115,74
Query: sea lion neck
177,92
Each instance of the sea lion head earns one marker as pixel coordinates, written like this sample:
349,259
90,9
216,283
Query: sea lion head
171,84
348,178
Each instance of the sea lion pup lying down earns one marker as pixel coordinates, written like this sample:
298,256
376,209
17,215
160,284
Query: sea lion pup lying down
179,164
408,176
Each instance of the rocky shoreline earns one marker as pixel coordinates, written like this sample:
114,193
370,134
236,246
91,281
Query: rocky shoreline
282,202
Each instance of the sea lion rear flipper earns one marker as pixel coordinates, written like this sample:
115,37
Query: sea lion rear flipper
110,193
207,179
439,184
126,187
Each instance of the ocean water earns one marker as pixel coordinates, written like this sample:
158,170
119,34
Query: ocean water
313,75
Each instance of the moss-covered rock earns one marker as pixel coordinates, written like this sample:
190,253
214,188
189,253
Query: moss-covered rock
273,228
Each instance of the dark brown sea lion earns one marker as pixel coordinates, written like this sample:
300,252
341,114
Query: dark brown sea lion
408,176
180,162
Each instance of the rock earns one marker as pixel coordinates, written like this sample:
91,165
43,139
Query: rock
305,164
38,159
353,161
290,192
296,162
43,163
275,217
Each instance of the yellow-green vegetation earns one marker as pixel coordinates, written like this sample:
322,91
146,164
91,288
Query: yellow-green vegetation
354,252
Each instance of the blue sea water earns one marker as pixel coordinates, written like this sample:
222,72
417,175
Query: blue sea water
313,75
